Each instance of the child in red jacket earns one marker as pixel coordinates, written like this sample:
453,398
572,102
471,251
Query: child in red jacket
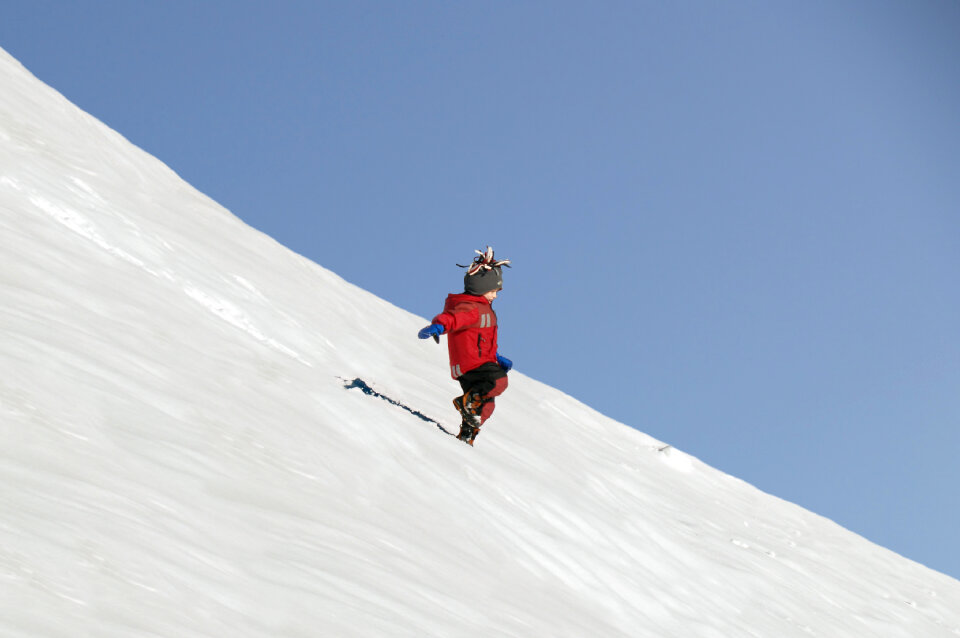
471,325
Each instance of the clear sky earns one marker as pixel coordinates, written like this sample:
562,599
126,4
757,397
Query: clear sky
734,225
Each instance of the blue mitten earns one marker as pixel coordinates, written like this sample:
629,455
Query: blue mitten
505,363
433,330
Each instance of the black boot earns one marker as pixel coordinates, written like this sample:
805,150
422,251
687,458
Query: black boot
468,432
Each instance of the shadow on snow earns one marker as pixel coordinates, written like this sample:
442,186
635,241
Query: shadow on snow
360,384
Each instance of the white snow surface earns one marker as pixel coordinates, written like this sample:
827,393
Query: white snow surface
180,457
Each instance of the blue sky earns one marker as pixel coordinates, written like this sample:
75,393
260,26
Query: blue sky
734,226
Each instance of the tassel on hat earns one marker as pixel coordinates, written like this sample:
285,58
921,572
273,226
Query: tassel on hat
484,261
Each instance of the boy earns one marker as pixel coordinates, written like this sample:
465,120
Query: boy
471,325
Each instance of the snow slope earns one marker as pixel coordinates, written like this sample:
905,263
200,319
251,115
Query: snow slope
180,456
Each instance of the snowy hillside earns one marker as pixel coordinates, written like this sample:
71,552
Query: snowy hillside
180,456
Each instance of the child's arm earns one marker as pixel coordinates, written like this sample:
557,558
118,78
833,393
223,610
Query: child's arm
454,319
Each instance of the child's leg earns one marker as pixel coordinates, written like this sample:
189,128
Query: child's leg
487,381
488,403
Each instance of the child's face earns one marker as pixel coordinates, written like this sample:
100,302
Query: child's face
490,296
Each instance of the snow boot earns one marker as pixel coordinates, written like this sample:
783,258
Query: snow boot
468,432
469,406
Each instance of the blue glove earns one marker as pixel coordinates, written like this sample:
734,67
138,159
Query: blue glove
505,363
433,330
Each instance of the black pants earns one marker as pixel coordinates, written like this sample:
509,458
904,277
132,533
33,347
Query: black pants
482,379
489,380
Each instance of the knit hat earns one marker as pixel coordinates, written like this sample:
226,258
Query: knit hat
483,282
484,274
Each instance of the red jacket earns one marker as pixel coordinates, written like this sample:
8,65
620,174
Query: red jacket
471,328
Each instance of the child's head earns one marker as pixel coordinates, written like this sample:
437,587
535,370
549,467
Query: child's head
484,276
483,282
